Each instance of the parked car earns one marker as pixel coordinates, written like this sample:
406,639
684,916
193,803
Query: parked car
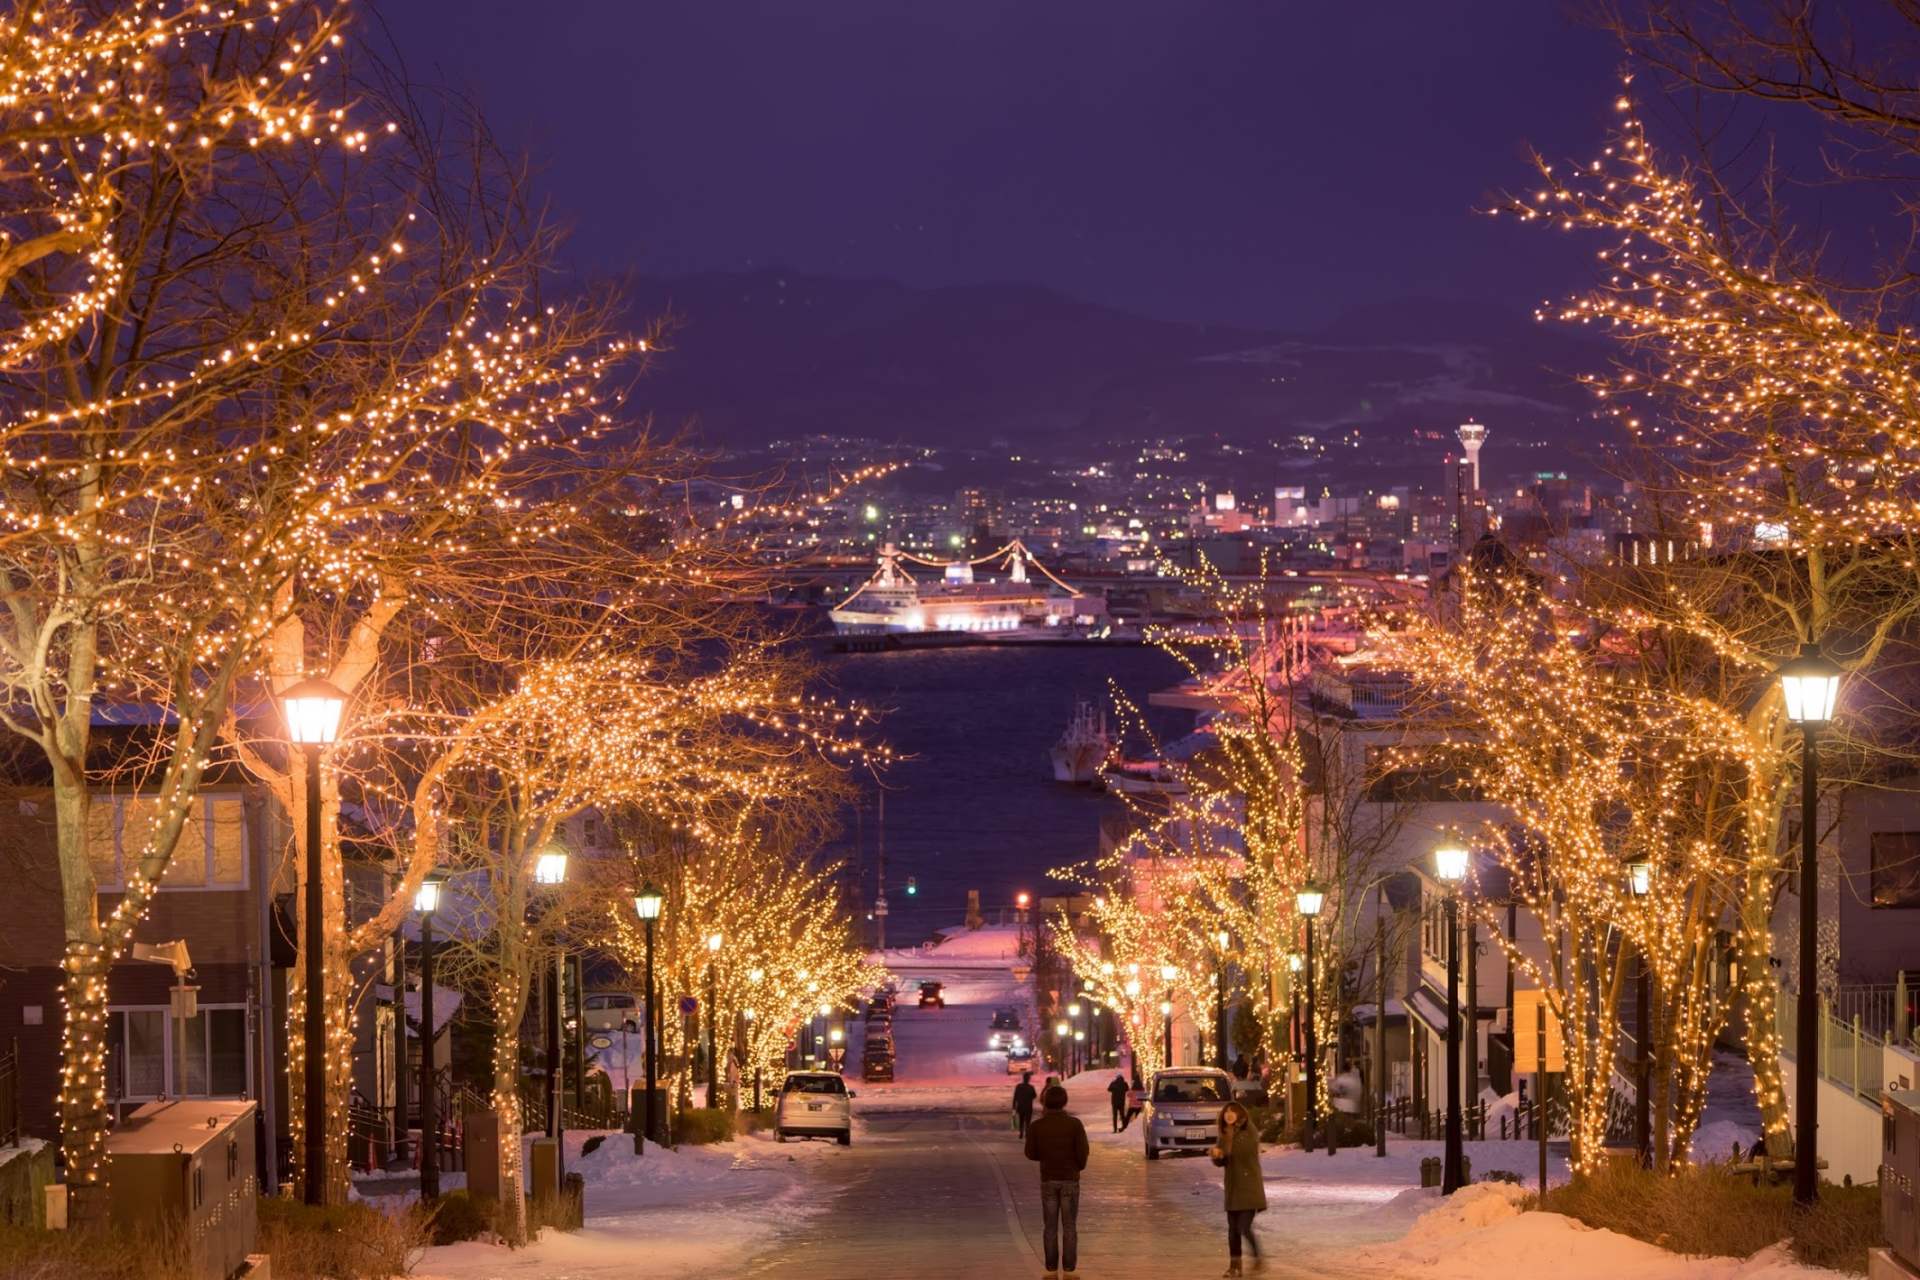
1020,1057
1250,1093
814,1104
611,1011
931,995
1183,1109
877,1067
882,1001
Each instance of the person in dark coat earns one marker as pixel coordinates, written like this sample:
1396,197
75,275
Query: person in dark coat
1023,1096
1240,1067
1118,1092
1246,1189
1058,1142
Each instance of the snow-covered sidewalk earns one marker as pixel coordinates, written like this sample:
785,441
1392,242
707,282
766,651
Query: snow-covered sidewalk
695,1210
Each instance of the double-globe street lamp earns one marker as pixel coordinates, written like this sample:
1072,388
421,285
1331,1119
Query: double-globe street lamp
426,900
646,905
1308,901
1810,688
312,709
1225,940
1450,867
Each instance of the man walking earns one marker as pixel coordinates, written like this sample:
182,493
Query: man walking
1058,1142
1023,1095
1118,1092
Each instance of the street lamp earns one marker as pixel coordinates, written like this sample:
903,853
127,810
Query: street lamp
312,709
426,900
1640,884
646,905
756,976
1810,687
1308,901
713,1018
549,872
1225,940
1450,867
1167,974
1073,1016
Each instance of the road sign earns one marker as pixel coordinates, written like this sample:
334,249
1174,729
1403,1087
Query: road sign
601,1042
1534,1022
880,906
689,1005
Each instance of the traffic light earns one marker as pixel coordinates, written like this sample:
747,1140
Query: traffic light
912,887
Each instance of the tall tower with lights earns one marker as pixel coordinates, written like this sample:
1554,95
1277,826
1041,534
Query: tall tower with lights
1472,436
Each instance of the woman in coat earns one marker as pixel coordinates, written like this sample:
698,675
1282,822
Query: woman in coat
1239,1154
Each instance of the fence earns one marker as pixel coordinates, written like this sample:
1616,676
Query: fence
1851,1057
1406,1119
1884,1009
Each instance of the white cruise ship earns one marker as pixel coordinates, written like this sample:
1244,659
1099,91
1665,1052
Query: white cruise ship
893,604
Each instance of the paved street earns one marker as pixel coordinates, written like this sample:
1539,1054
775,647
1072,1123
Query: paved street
948,1193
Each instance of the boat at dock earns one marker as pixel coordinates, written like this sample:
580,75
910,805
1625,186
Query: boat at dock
1084,747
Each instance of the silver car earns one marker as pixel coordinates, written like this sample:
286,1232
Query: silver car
1182,1111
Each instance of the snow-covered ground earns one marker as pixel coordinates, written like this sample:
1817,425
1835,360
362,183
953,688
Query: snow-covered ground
747,1205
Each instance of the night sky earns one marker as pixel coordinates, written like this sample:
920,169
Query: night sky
1265,162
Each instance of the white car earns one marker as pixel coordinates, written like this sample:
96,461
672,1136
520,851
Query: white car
814,1104
611,1011
1183,1109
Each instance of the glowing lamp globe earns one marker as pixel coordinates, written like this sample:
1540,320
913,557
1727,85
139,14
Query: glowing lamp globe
1168,973
1060,1029
1293,963
1133,986
1810,686
312,709
1310,899
713,942
426,899
647,903
1073,1011
1450,862
1640,878
550,867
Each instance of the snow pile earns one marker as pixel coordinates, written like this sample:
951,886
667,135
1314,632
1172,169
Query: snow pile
1472,1207
1480,1230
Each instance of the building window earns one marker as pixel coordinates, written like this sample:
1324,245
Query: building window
211,852
143,1059
1896,868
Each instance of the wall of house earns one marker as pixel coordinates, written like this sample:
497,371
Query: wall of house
1876,941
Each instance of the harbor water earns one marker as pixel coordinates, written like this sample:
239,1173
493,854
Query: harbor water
975,805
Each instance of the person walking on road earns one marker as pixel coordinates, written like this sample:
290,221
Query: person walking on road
1058,1142
1023,1096
1239,1154
1118,1092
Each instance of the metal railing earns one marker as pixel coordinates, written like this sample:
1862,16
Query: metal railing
1850,1056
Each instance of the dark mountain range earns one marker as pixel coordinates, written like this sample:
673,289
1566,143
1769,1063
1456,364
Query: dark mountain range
775,354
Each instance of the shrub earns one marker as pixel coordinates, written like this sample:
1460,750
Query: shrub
703,1125
28,1253
458,1216
341,1242
1706,1211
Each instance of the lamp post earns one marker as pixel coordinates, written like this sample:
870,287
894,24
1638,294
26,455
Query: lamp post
550,871
646,905
312,708
1073,1029
713,1017
1220,1001
1063,1039
1167,974
1640,884
426,900
755,976
1450,866
1810,686
1308,901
